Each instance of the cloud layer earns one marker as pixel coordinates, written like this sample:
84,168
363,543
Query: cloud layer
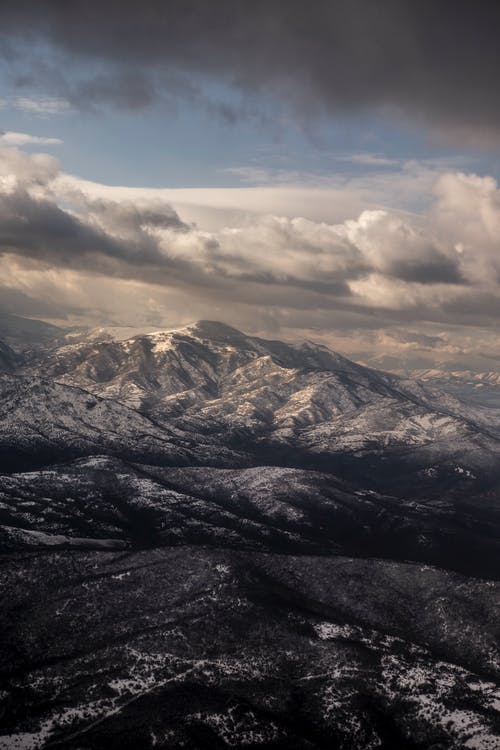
435,62
146,240
89,257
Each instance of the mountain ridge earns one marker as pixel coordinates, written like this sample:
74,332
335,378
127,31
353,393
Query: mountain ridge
210,539
209,377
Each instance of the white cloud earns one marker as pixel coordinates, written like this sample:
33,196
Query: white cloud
33,172
369,160
11,138
466,213
280,192
42,106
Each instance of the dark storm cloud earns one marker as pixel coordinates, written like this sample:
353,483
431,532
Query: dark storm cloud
436,61
120,240
40,229
438,269
474,308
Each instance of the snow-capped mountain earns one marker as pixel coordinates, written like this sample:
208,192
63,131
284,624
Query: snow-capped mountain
246,393
475,378
479,388
214,540
42,422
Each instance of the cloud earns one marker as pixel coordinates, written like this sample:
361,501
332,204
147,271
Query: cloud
290,193
148,241
41,217
26,171
432,63
11,138
395,247
369,160
65,245
41,106
106,237
16,301
409,339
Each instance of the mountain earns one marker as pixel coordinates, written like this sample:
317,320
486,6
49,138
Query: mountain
8,358
474,378
24,333
481,388
43,422
271,509
211,540
197,647
299,404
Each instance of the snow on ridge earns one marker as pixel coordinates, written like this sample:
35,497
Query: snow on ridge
33,538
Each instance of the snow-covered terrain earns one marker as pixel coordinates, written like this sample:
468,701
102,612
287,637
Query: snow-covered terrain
480,388
209,540
210,380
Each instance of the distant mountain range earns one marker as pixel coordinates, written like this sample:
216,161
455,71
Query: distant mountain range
475,387
23,333
287,548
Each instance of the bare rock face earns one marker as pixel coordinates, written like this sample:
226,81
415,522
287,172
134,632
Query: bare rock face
208,540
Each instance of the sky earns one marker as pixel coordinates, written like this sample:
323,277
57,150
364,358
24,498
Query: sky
325,170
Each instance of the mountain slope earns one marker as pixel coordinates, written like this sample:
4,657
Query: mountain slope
208,540
8,358
202,648
24,333
91,501
43,423
279,399
482,389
